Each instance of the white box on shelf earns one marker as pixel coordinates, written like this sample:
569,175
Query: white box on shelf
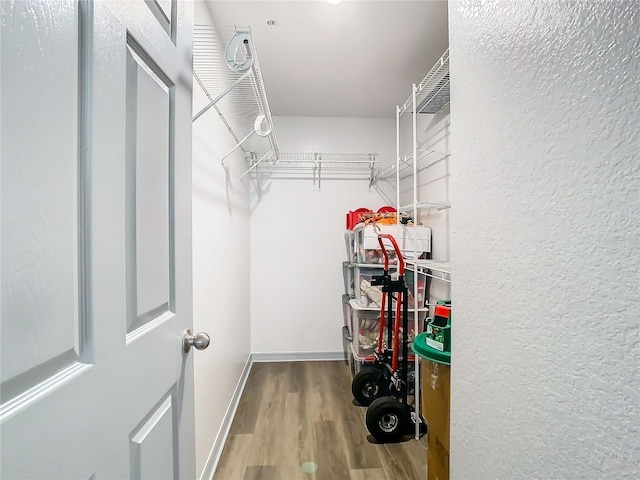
413,240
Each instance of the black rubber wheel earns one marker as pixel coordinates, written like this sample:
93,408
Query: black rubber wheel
366,386
387,419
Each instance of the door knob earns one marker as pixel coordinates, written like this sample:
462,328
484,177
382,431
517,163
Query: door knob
200,341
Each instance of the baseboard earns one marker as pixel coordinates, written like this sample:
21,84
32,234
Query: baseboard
216,450
296,356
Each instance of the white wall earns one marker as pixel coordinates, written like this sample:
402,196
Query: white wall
545,235
220,271
297,244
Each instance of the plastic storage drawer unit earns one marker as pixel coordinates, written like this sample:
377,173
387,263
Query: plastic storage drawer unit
348,277
369,295
365,328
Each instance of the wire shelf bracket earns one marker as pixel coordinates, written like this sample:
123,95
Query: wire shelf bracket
242,104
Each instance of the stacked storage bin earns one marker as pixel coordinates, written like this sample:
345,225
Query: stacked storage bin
361,300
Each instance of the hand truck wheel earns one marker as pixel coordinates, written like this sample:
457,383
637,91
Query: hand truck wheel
367,385
388,419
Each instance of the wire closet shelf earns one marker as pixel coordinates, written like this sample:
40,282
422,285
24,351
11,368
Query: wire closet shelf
404,167
438,269
232,81
314,165
432,94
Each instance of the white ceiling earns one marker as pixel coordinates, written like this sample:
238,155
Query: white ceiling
355,59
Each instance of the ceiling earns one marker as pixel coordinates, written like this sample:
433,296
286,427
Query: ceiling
355,59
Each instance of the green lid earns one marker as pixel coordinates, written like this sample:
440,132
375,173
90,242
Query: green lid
425,351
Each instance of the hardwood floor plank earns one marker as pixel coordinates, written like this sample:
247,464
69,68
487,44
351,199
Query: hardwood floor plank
232,466
397,462
315,397
330,385
297,375
369,474
416,451
247,412
297,443
262,472
266,448
337,382
360,453
330,451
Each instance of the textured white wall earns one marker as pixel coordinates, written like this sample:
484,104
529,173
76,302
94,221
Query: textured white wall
297,244
545,236
220,269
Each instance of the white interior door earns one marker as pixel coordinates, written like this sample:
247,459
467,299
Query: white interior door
96,240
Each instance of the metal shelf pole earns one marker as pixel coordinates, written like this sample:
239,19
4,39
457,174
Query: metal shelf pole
398,164
416,318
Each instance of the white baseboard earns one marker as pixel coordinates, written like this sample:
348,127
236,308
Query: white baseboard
218,445
296,356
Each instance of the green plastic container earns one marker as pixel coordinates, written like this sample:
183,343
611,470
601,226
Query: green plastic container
435,343
421,348
438,338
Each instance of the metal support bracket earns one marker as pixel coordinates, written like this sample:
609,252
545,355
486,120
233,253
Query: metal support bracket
221,96
255,165
248,104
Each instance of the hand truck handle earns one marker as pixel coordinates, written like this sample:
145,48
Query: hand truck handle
386,255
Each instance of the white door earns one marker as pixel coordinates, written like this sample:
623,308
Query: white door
96,240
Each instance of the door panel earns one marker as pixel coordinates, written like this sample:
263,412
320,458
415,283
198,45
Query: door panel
39,201
164,11
156,434
96,243
149,129
165,6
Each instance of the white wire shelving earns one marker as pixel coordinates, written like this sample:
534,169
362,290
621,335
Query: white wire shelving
315,166
428,97
424,204
432,268
232,81
404,167
429,268
432,94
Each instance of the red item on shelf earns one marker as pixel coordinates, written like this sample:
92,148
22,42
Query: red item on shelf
442,311
354,217
387,209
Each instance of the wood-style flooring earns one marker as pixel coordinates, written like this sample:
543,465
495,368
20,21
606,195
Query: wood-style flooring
297,417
